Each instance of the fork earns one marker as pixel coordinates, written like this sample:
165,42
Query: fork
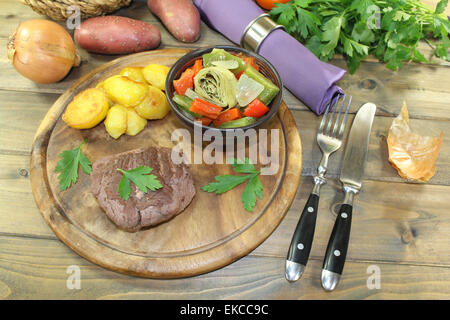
329,139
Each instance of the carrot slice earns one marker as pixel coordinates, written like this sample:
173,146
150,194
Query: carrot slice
238,75
198,65
205,109
186,81
250,61
204,121
256,109
231,114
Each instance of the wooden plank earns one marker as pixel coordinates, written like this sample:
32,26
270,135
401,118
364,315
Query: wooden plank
20,115
18,210
17,115
377,166
425,89
15,8
392,222
89,61
41,270
16,12
372,81
403,223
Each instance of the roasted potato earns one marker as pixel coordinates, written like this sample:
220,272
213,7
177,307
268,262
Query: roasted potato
154,106
156,75
124,91
100,86
116,121
87,109
134,73
135,123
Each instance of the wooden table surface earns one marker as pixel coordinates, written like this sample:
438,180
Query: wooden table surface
400,229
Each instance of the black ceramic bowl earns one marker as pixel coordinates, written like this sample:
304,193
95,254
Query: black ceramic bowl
265,67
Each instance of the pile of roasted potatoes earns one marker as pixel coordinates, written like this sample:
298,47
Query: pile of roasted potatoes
125,101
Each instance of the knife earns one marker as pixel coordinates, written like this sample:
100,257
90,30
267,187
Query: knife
352,172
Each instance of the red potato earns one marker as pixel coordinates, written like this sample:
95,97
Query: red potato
180,17
116,35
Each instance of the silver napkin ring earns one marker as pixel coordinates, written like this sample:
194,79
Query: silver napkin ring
257,30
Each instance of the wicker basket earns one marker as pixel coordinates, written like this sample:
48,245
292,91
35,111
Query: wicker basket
56,10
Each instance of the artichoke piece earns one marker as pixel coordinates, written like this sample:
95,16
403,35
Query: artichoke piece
222,55
217,84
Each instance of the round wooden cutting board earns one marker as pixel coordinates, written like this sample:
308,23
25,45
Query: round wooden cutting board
213,231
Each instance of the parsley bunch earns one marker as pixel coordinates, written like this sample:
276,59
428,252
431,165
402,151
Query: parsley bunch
390,30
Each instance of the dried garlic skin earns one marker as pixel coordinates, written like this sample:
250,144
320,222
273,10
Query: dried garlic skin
411,154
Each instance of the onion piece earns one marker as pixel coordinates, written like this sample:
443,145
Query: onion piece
411,154
247,90
227,64
42,51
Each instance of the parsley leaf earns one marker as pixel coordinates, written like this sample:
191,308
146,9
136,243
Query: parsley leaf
141,177
226,182
331,30
68,166
240,166
252,190
440,7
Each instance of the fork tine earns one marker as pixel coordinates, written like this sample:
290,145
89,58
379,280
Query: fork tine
333,111
324,117
336,124
344,121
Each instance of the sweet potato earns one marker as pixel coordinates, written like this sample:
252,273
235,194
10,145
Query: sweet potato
180,17
116,35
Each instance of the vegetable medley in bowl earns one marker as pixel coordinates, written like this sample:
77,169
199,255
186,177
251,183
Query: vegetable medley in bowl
224,87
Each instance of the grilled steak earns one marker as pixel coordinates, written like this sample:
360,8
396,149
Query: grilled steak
142,209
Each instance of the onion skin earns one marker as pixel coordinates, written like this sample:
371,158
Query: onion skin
42,51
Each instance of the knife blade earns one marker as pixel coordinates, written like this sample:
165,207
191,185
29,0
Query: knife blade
351,176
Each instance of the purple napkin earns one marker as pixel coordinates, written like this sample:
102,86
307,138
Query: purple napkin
308,78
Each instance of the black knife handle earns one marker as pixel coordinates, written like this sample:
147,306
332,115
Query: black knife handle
338,244
302,239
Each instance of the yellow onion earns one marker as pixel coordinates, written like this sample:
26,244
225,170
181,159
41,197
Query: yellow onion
42,51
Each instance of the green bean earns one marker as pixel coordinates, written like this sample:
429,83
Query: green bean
270,89
242,122
185,104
